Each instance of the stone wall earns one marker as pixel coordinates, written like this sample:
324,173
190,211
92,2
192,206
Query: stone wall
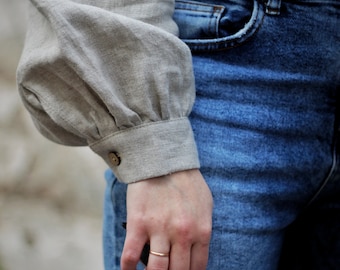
50,195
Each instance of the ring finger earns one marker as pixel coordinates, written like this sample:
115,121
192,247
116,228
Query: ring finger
159,255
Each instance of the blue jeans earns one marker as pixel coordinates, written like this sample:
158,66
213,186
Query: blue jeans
266,121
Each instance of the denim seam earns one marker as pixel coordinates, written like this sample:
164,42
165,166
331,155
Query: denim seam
335,159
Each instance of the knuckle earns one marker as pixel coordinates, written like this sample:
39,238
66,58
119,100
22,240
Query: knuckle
184,233
137,219
129,257
188,229
184,228
205,235
205,232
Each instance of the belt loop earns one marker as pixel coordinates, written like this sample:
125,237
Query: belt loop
273,7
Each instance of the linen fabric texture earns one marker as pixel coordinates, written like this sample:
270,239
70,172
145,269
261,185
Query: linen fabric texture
112,75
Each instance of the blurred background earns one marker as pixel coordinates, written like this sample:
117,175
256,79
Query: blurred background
50,195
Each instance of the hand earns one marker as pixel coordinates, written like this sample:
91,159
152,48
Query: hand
174,214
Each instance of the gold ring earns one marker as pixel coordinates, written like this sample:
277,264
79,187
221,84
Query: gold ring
159,254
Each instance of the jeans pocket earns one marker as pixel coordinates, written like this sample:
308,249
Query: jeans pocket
210,26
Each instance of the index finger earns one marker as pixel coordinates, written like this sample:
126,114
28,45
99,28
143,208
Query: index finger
133,248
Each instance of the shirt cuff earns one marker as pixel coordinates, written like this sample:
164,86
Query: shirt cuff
149,150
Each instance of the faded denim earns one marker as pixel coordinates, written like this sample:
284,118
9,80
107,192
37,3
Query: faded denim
266,123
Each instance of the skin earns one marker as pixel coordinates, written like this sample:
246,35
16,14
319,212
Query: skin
174,214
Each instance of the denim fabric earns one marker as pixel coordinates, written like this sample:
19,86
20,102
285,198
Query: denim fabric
266,124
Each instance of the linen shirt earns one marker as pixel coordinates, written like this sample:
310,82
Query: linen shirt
114,76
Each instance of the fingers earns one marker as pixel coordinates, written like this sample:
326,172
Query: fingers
194,258
180,258
199,256
159,256
200,250
133,246
190,254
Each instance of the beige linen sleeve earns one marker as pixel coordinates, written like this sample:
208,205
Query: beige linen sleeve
112,75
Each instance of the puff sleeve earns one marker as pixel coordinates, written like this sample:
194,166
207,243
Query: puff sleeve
114,76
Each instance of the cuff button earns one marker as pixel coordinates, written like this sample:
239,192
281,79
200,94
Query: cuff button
114,159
